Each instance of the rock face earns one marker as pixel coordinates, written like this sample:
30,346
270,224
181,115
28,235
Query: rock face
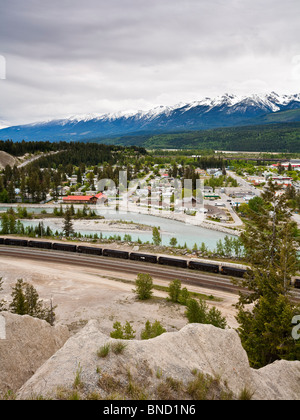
144,367
7,159
28,343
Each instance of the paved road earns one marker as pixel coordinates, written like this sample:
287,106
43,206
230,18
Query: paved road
27,162
245,184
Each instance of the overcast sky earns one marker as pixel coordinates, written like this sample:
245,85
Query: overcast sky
69,57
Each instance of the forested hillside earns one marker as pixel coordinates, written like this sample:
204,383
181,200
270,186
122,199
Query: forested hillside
263,138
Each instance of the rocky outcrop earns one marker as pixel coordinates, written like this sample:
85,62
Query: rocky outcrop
156,367
25,344
7,159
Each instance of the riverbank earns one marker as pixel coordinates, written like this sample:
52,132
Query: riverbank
187,230
131,210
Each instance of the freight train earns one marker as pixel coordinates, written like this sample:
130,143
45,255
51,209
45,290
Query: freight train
133,256
226,270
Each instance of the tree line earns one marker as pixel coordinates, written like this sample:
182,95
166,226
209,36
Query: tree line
25,301
282,137
49,173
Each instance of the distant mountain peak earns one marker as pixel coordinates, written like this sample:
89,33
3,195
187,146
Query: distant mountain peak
272,101
226,110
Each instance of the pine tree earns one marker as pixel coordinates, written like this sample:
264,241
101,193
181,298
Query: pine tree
123,332
152,330
144,286
198,312
26,301
4,224
174,290
18,304
156,237
269,244
68,224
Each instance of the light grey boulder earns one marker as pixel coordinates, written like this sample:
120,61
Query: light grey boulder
26,343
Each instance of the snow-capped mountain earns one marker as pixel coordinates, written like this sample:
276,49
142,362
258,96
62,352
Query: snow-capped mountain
223,111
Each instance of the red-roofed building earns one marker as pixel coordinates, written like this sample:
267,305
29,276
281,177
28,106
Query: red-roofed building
84,199
282,180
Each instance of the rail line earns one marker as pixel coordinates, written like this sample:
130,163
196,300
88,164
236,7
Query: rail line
195,278
209,281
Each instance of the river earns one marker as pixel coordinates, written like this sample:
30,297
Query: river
184,233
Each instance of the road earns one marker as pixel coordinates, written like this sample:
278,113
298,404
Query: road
243,183
186,276
27,162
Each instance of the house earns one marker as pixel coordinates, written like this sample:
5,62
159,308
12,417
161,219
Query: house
85,199
218,174
216,213
256,180
212,171
282,180
295,163
199,171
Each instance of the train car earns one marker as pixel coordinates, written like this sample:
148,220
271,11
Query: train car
134,256
1,241
40,244
173,262
209,268
116,254
233,271
64,247
15,242
89,250
297,284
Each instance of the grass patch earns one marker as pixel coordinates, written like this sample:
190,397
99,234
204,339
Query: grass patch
161,288
118,347
103,351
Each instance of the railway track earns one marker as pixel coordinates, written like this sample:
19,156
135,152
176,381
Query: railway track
186,276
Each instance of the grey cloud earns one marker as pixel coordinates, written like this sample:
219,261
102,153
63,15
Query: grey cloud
137,29
100,54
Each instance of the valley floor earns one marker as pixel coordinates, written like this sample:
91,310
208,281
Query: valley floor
83,294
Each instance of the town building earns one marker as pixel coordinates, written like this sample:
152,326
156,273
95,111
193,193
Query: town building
285,181
84,199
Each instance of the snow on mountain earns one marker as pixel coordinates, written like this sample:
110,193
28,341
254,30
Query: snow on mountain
270,103
227,110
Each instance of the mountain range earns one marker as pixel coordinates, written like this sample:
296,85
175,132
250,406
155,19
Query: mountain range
223,111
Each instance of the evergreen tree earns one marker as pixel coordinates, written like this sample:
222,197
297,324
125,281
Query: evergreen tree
184,296
198,312
269,243
118,331
175,290
18,304
4,224
129,332
144,286
152,330
68,224
156,237
25,301
173,242
123,332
